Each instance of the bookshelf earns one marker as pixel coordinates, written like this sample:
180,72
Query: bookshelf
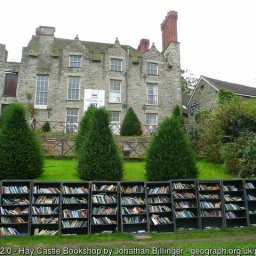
15,207
45,208
160,212
104,207
134,215
210,204
185,203
250,193
234,204
75,208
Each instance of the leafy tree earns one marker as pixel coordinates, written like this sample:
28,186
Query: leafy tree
84,125
131,125
20,153
225,96
46,127
177,113
98,157
170,154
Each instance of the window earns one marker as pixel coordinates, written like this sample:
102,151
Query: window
42,83
152,94
75,61
152,69
73,88
72,120
115,91
151,122
10,86
116,65
115,122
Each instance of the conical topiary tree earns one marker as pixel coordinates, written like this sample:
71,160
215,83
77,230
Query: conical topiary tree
20,153
131,125
170,154
98,157
84,126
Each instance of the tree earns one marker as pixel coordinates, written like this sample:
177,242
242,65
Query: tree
225,96
85,125
20,153
170,154
131,125
188,81
46,127
98,157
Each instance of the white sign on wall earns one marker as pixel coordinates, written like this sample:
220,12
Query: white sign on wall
94,97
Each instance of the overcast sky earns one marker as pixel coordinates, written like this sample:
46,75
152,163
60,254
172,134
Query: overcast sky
217,37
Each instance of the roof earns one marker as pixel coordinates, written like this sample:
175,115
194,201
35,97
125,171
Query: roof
238,89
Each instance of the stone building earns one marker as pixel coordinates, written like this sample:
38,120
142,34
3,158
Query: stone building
205,94
59,78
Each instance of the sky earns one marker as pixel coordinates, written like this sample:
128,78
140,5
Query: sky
217,37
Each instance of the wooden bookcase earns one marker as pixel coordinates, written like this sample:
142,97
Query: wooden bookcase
210,199
134,214
185,203
75,208
45,208
250,194
104,207
159,204
234,204
15,207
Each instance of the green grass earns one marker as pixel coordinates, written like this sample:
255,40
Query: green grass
66,170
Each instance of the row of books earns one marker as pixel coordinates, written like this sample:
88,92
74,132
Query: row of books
159,208
104,199
207,187
230,215
211,213
12,220
134,219
158,220
209,196
75,190
228,198
180,185
249,185
210,204
15,189
45,220
45,232
104,210
251,197
74,223
184,214
43,190
159,190
46,200
133,189
8,231
74,200
133,210
15,201
183,195
132,200
103,220
233,207
184,204
159,199
105,187
229,188
81,213
16,211
45,210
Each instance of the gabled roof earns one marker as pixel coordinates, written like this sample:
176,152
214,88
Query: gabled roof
238,89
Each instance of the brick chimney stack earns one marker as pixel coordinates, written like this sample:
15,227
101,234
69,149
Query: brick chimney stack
143,46
169,29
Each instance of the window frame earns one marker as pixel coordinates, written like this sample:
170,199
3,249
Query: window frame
152,71
154,100
71,126
115,126
73,89
72,64
41,92
116,66
112,91
10,84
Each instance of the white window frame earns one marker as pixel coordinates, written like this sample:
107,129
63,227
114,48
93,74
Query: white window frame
152,69
72,125
115,95
41,92
152,97
115,124
151,126
116,64
75,61
73,91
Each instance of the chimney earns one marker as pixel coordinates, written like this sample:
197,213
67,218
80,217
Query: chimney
46,31
169,29
143,46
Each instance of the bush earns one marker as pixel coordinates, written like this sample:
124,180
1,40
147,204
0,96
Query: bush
170,154
98,157
20,153
84,126
131,125
46,127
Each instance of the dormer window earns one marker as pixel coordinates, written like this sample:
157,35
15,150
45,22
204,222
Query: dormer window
75,61
116,65
152,69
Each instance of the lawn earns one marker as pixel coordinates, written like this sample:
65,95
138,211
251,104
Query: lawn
66,170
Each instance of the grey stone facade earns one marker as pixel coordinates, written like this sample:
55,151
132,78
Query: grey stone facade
47,55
